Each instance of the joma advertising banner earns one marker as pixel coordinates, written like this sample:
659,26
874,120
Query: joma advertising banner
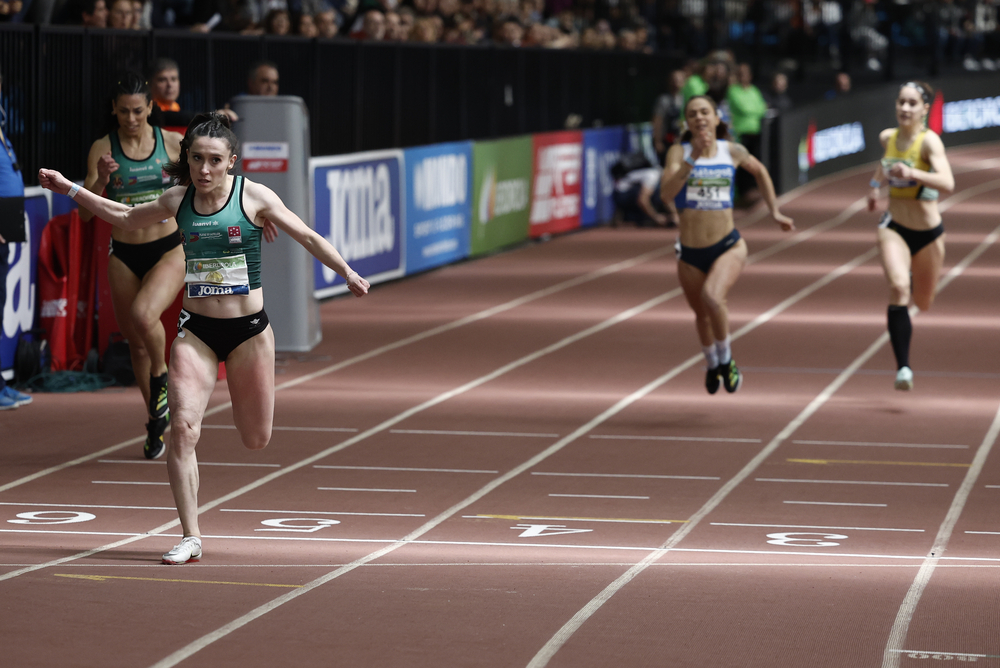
501,183
438,205
555,200
358,207
21,309
601,149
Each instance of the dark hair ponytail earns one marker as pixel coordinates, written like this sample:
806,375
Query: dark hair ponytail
721,130
211,124
130,83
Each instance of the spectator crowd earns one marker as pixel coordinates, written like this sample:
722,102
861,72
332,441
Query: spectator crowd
964,32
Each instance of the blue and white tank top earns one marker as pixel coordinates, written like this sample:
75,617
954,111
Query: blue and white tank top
710,185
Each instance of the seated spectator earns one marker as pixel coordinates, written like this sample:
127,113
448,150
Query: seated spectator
372,26
424,30
240,16
627,40
141,12
306,26
841,86
327,22
777,94
262,79
10,9
120,14
89,13
510,32
277,22
407,17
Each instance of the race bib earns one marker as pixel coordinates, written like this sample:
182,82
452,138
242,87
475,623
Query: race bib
896,182
708,193
217,276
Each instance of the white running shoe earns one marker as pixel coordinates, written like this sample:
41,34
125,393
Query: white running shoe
904,379
189,549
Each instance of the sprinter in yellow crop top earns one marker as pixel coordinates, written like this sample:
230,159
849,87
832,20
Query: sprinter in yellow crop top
910,233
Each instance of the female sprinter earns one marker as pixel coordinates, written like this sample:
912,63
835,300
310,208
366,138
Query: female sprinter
146,267
223,318
910,233
710,252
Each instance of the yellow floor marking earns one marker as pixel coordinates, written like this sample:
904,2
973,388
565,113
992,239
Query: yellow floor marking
862,461
102,578
580,519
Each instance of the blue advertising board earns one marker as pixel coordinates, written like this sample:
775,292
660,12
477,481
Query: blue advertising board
20,310
438,205
357,205
601,149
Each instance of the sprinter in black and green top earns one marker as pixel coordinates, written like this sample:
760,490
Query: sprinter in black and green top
146,267
223,317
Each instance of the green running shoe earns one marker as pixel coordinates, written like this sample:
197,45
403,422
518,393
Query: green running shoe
731,376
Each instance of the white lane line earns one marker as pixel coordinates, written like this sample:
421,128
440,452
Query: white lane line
163,463
400,468
315,512
700,439
445,432
837,503
599,496
992,486
81,505
812,526
349,430
854,482
627,475
545,654
884,445
126,482
209,638
901,626
363,489
426,334
985,533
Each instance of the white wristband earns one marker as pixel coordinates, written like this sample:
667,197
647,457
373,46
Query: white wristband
73,191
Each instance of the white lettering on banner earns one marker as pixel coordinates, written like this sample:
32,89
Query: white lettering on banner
439,248
591,178
438,225
838,141
19,313
971,114
608,158
361,221
558,167
258,149
440,181
499,199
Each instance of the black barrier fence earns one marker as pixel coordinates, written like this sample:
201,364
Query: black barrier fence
827,137
361,95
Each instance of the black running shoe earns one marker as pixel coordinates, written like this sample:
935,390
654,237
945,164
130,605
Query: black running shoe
154,446
712,379
731,376
158,396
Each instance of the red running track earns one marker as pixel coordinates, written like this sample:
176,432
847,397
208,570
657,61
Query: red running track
513,462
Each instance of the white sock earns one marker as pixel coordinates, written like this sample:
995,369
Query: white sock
711,357
723,350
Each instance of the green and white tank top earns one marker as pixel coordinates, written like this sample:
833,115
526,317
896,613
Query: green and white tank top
222,249
138,181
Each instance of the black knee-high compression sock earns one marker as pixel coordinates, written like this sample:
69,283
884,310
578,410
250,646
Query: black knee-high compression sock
900,330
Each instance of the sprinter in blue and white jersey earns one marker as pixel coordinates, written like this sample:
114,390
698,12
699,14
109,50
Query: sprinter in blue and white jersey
700,173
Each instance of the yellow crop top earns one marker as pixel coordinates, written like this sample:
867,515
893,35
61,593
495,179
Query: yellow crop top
907,188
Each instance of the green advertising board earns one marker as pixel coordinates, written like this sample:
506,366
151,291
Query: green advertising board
501,188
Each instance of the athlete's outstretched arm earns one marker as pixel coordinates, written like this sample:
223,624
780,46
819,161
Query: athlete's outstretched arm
119,215
744,159
675,173
268,205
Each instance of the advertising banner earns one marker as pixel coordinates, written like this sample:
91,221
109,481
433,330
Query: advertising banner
555,198
501,182
639,138
21,309
438,205
601,149
358,206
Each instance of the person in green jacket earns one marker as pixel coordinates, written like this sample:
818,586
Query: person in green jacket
748,108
